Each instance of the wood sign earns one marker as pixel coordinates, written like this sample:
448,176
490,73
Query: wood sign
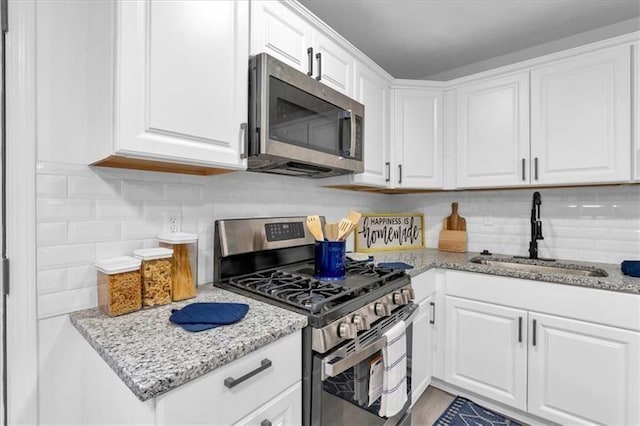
380,232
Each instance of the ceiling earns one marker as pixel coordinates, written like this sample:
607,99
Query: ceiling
422,39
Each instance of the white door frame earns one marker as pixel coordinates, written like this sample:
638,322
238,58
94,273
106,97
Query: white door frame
22,348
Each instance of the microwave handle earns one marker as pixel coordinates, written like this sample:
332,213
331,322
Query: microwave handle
352,135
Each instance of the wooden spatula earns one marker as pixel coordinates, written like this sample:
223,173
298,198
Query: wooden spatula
354,217
455,222
315,227
344,228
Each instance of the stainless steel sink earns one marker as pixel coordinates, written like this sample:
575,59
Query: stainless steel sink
544,269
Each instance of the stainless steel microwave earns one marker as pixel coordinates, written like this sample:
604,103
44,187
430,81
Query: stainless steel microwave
300,127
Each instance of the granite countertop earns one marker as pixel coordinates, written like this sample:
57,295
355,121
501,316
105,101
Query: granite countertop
425,259
152,355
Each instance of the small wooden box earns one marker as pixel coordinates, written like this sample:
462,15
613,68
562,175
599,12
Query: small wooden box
454,241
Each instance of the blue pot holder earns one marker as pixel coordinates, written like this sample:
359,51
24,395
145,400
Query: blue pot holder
631,267
204,316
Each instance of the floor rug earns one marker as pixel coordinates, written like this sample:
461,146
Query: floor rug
463,412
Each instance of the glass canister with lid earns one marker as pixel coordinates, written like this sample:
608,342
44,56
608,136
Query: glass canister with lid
185,263
156,275
119,290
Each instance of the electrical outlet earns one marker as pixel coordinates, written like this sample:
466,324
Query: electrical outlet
487,220
172,221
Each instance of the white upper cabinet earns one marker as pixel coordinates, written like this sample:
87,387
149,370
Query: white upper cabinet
580,119
583,373
181,82
282,32
417,138
372,91
493,132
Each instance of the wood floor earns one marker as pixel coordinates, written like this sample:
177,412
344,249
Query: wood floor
430,406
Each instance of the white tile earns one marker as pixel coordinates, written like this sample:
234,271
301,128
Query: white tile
50,234
56,210
66,169
139,229
93,187
82,276
155,210
52,281
118,209
85,232
69,255
138,190
117,248
53,186
66,301
183,192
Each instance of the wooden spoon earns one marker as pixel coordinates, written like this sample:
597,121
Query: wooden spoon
315,227
331,231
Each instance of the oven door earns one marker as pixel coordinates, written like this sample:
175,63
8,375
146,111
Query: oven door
341,379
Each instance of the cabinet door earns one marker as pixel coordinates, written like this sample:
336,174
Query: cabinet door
486,350
583,373
493,132
335,65
283,34
417,138
422,348
283,410
580,119
373,92
181,87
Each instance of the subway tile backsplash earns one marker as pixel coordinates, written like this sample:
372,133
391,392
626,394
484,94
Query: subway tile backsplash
86,213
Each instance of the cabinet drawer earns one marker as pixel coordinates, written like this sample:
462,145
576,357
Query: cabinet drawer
207,400
284,409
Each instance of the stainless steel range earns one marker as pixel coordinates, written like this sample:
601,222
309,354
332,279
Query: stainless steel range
271,259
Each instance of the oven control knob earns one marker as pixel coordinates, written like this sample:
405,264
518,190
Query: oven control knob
400,298
361,322
409,292
347,330
382,309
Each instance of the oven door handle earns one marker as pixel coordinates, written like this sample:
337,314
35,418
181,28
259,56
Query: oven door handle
332,369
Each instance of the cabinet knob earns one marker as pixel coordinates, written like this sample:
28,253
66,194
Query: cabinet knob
265,422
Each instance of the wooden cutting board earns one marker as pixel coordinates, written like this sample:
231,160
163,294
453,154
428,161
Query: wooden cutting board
455,222
453,236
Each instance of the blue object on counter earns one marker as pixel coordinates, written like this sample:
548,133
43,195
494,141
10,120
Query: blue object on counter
395,265
206,315
330,258
631,267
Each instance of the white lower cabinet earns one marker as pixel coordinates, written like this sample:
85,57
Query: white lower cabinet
559,369
486,350
421,354
284,409
583,373
209,400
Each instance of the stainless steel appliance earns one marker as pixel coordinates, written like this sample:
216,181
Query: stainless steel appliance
298,126
272,260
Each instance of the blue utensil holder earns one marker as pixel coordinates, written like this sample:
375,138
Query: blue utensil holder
329,260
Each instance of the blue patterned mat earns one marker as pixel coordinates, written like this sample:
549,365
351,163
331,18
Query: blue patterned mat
463,412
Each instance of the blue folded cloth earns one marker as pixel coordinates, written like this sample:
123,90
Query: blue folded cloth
204,316
631,267
395,265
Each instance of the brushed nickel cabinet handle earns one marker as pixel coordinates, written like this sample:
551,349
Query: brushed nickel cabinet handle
319,58
245,140
535,167
533,340
231,382
399,173
388,166
519,329
523,171
433,313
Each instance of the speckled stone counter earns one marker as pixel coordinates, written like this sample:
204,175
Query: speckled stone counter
152,355
425,259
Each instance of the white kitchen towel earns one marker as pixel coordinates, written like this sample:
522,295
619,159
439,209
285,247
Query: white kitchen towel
394,379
